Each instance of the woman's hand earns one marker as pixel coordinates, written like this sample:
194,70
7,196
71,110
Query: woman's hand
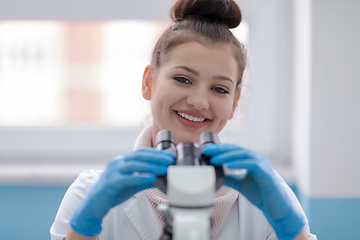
119,181
259,185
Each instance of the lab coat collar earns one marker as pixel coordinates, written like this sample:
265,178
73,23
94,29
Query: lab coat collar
143,218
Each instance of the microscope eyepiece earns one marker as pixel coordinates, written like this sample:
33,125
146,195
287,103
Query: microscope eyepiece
165,139
207,137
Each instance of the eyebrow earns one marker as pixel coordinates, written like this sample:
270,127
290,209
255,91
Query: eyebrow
190,70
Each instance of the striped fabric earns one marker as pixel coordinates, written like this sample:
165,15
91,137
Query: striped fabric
224,196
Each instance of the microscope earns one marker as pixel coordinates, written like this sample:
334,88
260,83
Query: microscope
190,185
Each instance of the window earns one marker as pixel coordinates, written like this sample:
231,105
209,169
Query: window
55,73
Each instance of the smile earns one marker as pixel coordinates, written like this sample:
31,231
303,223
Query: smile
190,118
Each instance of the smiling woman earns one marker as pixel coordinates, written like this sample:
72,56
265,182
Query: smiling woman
200,82
193,84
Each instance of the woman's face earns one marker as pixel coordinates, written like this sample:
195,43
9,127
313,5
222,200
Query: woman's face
193,91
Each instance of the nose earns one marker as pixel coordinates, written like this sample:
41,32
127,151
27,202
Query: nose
198,99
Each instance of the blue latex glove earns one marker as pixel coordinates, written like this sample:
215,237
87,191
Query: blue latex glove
259,185
118,183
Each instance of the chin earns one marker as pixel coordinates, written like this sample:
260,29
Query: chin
183,137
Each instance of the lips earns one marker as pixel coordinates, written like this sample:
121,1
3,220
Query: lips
192,119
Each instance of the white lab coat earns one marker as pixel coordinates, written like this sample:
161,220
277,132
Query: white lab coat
135,220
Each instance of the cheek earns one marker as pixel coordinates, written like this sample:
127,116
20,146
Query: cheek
164,99
223,109
223,115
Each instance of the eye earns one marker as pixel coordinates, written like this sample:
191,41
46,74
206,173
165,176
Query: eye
220,90
182,80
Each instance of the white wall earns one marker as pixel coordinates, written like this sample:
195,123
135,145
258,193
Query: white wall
327,115
335,113
83,9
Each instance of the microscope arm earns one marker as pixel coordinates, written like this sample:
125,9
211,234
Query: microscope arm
191,225
191,192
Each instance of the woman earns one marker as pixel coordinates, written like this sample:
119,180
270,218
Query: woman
193,84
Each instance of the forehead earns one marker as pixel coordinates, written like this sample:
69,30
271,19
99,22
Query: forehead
211,58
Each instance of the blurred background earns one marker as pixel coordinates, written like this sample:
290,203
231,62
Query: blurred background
70,100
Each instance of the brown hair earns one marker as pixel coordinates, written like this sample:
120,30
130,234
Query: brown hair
204,21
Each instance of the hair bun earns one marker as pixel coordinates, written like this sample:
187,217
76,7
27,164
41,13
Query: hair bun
224,11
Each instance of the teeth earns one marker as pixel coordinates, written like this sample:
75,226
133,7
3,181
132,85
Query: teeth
190,118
